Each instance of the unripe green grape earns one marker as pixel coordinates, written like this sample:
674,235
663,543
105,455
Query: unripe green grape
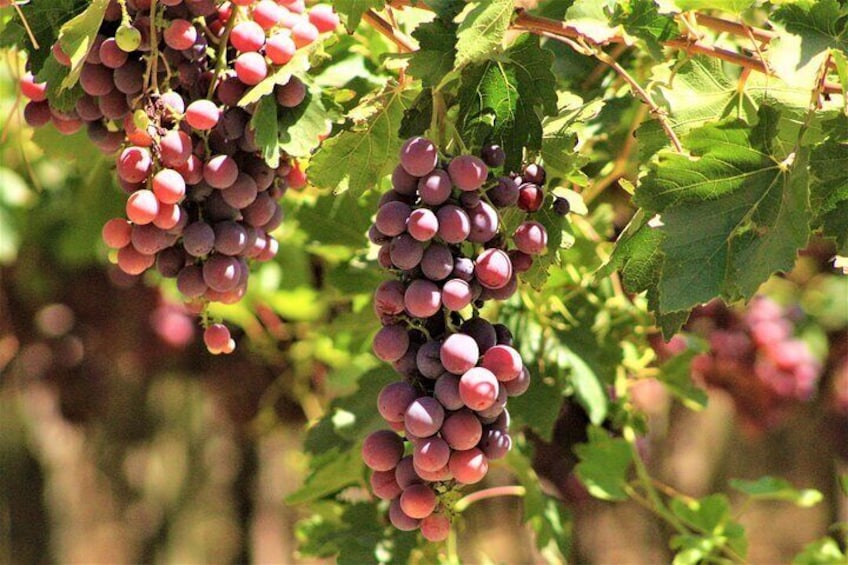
141,120
128,38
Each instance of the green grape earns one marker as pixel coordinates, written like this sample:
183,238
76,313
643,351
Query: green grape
128,38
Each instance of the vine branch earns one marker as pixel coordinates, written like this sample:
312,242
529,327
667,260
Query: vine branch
386,29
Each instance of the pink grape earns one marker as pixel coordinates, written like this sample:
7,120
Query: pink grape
493,268
382,450
198,239
37,114
323,18
304,33
405,251
251,68
132,262
388,298
405,474
116,233
247,36
267,13
503,361
437,263
462,430
96,80
142,207
446,391
190,281
220,171
392,217
484,223
149,239
519,385
134,164
202,115
456,294
221,273
435,527
394,399
180,34
111,55
280,48
216,337
531,238
400,519
478,388
418,501
291,94
242,192
403,182
431,454
459,353
468,172
530,197
454,224
419,156
422,224
391,342
422,298
169,217
469,466
168,186
435,188
384,485
495,444
35,91
424,416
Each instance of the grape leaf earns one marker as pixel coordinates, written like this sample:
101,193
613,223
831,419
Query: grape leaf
358,158
481,32
350,11
416,118
642,19
812,30
771,488
710,515
604,463
266,125
732,216
77,36
337,219
45,19
437,51
502,101
54,75
731,6
592,18
301,127
829,190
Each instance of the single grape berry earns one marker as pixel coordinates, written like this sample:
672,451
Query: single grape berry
561,206
493,155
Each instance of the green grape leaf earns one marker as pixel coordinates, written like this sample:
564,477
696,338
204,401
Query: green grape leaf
481,33
359,157
341,219
676,375
710,515
416,118
45,19
824,551
335,469
770,488
592,19
437,51
266,125
829,190
301,127
730,6
604,463
54,75
77,36
501,101
355,534
350,11
812,29
731,217
642,20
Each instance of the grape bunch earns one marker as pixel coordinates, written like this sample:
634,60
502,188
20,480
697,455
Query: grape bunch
440,231
161,90
756,359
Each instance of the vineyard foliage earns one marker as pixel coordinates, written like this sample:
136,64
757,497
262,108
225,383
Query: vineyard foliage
701,146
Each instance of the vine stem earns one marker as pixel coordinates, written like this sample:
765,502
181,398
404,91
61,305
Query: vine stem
404,44
221,61
512,490
25,23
